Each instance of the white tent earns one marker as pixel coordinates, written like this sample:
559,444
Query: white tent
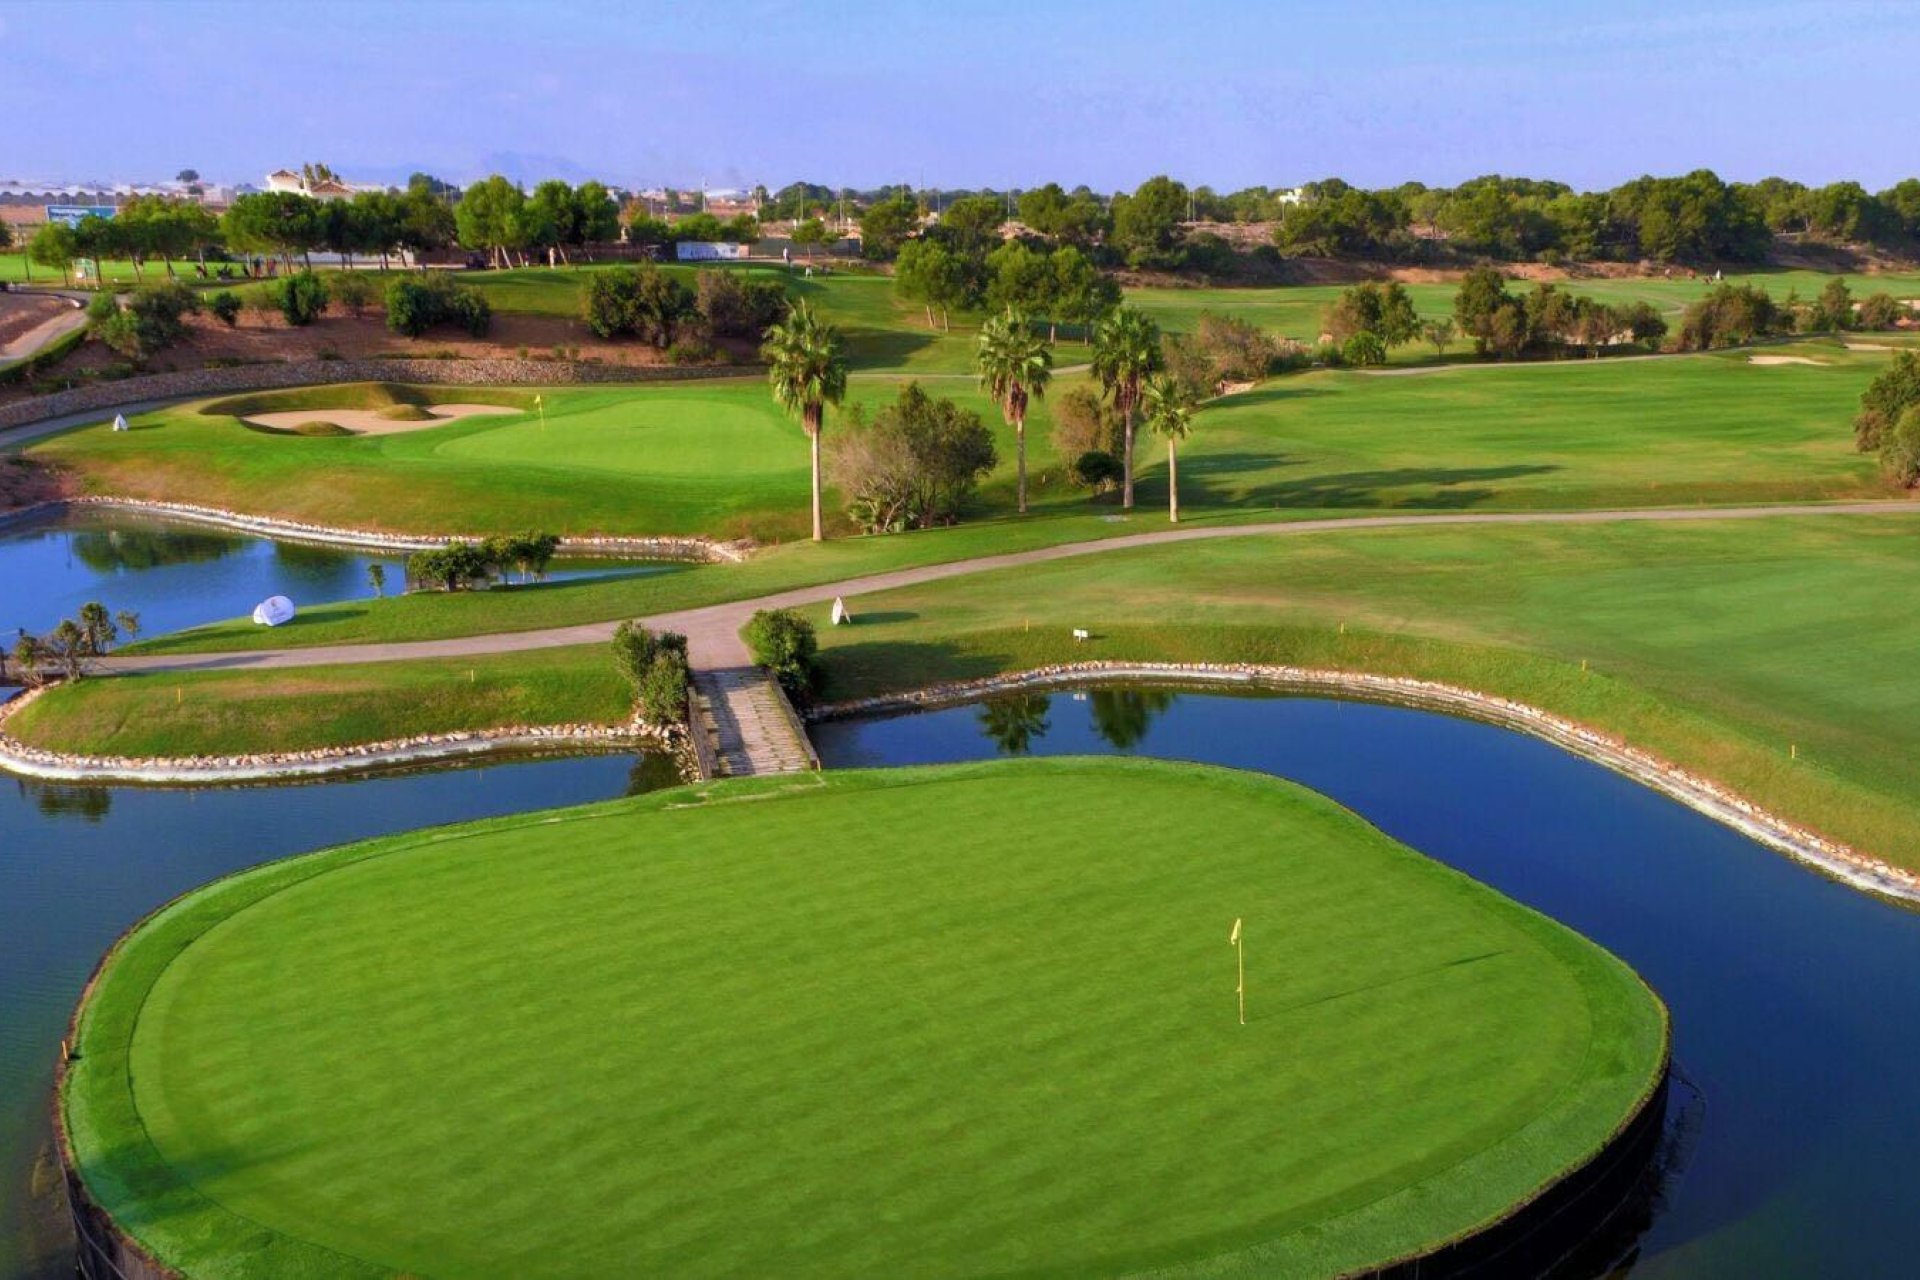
273,611
120,422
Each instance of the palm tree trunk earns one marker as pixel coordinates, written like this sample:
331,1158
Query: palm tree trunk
1173,482
819,531
1126,476
1020,456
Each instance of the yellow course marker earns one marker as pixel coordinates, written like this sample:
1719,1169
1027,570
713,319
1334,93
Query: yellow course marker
1240,953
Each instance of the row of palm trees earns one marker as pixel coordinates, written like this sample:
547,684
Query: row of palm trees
807,367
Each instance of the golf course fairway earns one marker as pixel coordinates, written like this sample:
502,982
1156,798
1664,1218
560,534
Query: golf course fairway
964,1020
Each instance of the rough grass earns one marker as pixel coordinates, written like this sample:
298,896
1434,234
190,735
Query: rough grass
1727,647
245,712
913,1021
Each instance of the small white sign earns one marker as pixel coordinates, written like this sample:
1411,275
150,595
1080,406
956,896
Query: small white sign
840,612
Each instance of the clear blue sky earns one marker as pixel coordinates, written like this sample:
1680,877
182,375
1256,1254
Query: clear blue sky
961,92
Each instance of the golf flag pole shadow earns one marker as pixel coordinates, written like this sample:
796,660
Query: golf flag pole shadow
1240,954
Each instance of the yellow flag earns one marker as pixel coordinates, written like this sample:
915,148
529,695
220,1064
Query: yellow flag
1234,937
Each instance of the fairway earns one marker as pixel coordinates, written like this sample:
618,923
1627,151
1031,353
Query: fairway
957,1021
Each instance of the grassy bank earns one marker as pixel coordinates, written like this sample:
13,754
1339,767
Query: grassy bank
1000,1030
249,712
1727,648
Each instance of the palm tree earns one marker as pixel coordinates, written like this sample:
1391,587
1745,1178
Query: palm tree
1170,405
1126,352
1012,721
808,369
1014,362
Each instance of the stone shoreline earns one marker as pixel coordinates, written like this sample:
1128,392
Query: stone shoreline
57,766
699,550
1831,858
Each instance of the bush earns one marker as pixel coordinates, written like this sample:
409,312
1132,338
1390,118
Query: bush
1900,451
1364,349
914,465
1881,311
225,306
1729,316
153,319
1097,470
783,642
452,566
415,306
354,290
1886,399
637,302
697,351
1085,423
301,298
656,666
736,306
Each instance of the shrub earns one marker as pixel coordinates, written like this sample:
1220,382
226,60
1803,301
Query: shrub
1887,397
1730,315
301,298
1900,451
1084,423
697,351
225,306
642,302
656,667
1364,349
736,306
452,566
1097,470
153,318
1881,311
914,465
102,307
783,642
355,291
415,306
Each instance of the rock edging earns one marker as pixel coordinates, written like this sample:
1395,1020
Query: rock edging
1831,858
58,766
664,547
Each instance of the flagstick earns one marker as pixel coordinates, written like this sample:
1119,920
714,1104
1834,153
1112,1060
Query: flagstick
1240,950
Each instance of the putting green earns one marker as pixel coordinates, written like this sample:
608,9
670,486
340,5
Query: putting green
965,1020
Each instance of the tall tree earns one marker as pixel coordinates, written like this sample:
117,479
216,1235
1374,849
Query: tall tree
1015,363
1126,352
807,365
490,216
55,245
1169,404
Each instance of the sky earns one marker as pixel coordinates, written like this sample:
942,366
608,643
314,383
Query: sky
960,93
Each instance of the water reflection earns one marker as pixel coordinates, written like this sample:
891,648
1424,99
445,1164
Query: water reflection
110,551
1013,721
68,800
1122,716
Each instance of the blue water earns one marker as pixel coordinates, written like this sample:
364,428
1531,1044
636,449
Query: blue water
176,575
1795,1001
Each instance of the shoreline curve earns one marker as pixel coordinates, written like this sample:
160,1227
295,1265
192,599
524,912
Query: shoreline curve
1831,858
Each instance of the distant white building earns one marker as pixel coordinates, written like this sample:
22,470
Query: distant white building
286,180
1292,195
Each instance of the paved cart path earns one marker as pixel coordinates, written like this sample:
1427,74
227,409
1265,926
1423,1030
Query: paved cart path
712,631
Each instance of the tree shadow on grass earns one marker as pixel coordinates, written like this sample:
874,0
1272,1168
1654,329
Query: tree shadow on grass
885,349
1409,488
1279,391
888,666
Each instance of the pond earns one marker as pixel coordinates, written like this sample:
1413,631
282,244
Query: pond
178,575
1796,1015
1795,1008
79,864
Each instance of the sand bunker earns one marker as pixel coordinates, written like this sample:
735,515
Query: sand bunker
368,422
1783,360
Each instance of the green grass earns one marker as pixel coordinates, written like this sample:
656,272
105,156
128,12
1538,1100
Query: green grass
750,1031
712,458
244,712
1724,647
719,459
